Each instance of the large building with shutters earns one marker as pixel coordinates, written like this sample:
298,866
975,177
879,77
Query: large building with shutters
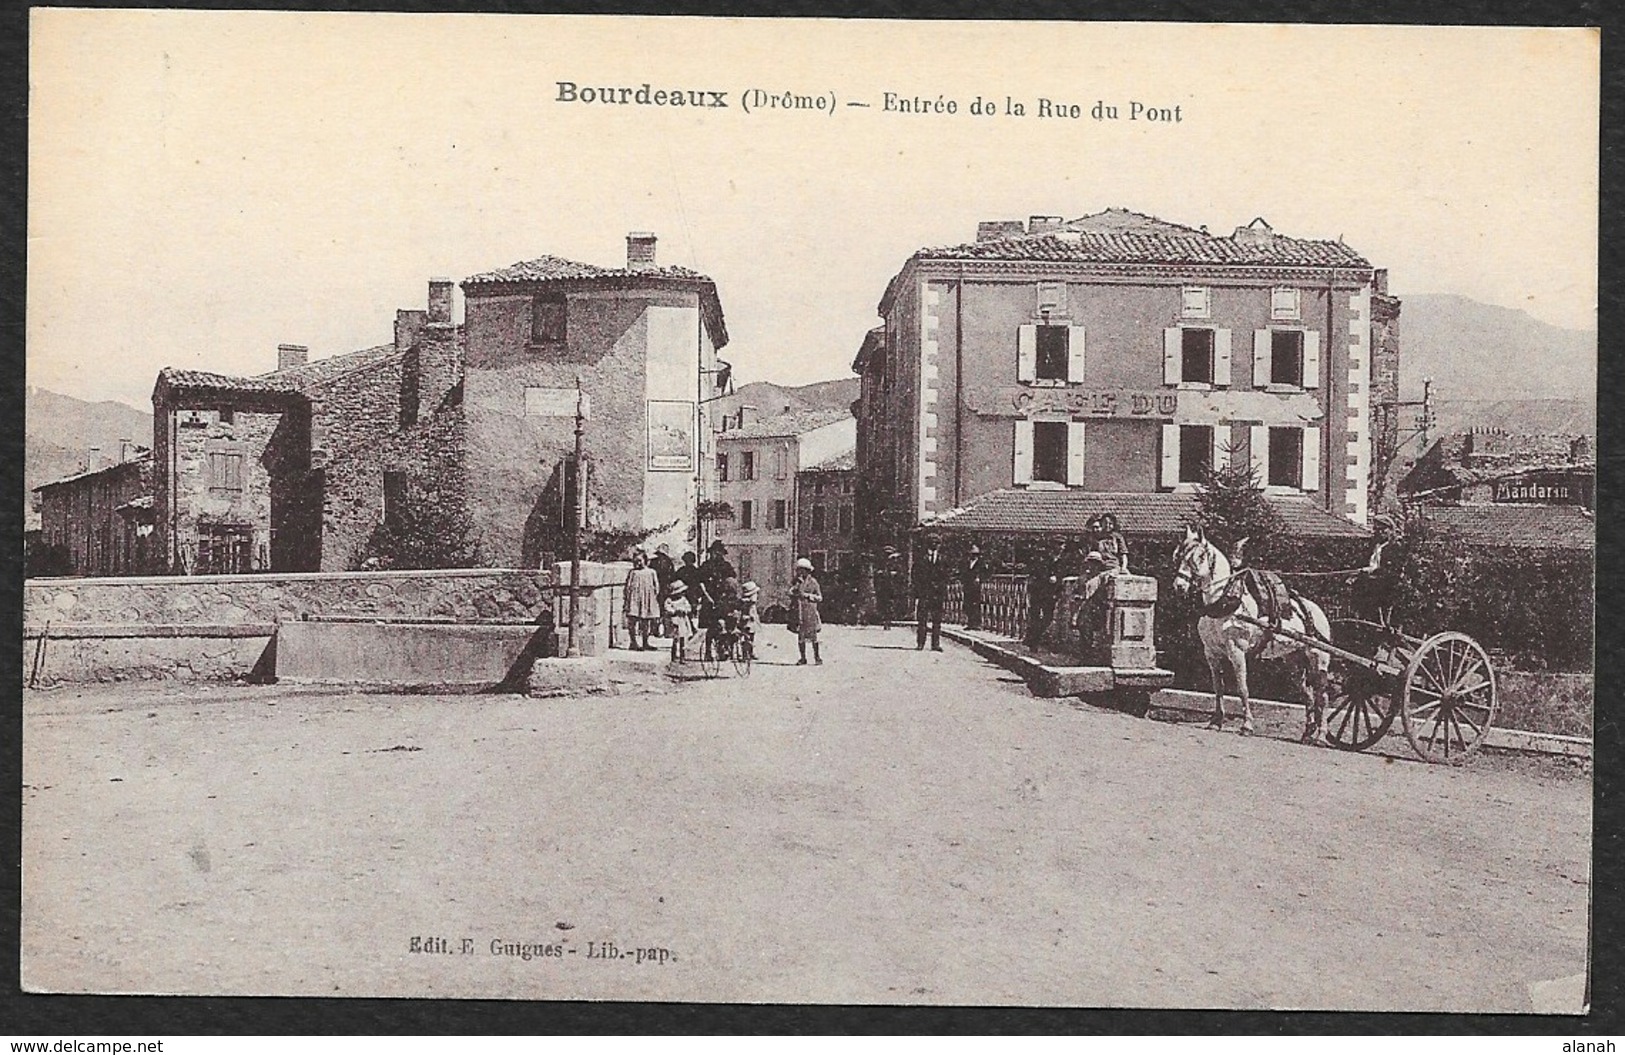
1122,354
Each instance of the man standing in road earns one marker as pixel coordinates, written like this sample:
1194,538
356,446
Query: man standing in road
930,587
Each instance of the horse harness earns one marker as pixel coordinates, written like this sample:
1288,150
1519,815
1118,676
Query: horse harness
1275,599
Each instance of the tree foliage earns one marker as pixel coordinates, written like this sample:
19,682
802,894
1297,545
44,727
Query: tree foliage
1231,506
421,533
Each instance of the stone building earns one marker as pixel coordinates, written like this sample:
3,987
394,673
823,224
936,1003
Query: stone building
642,340
826,531
453,436
1122,354
757,465
1494,488
97,522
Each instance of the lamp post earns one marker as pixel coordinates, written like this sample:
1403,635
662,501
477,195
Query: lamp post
572,649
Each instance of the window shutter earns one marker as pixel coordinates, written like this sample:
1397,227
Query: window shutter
1311,359
1262,357
1024,452
1310,481
1170,454
1221,357
1074,350
1074,454
1172,361
1027,353
1221,441
1258,444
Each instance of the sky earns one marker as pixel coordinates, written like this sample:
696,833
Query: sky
206,185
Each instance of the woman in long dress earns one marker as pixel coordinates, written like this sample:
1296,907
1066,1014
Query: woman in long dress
641,601
806,596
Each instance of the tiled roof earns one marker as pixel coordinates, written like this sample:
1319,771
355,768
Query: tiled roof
551,268
1532,526
793,424
297,379
839,463
145,456
1020,510
1068,245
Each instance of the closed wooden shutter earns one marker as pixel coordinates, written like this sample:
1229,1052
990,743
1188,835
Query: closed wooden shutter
1221,357
1258,443
1311,360
1024,453
1026,353
1310,481
1170,455
1263,355
1074,454
1172,356
1074,352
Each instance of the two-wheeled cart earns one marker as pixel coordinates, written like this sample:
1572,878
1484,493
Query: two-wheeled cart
1441,688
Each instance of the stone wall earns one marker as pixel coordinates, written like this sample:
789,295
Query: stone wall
233,600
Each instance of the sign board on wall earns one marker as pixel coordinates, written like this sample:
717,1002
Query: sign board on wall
556,403
1542,489
671,436
1079,402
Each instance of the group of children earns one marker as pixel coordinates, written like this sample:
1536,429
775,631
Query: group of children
686,616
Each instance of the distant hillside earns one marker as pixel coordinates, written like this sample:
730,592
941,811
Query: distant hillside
1570,417
60,430
1477,351
769,398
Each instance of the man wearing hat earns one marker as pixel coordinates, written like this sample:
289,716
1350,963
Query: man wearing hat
719,585
930,588
971,578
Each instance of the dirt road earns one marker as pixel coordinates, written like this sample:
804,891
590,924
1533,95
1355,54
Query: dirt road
892,827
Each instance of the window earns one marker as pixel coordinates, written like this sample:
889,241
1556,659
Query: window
781,463
1196,355
1052,353
227,415
781,514
819,560
224,549
1285,457
747,465
722,468
1049,451
1286,357
1197,302
1284,304
846,520
547,320
1049,353
1051,298
225,471
394,503
817,518
194,419
747,515
1195,452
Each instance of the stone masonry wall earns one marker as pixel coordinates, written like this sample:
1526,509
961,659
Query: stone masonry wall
235,600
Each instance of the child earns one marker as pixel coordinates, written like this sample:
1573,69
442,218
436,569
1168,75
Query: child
748,616
806,596
680,613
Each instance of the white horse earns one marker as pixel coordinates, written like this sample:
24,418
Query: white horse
1228,641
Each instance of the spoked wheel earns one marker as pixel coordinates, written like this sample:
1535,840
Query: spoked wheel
1358,712
1449,702
711,656
742,656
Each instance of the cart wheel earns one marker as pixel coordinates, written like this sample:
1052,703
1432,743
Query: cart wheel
711,656
1358,712
1449,702
742,656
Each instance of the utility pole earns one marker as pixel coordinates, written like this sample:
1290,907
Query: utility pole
579,516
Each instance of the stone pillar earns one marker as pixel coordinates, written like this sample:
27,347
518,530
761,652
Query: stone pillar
600,606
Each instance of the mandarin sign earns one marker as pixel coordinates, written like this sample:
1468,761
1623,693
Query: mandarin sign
1552,489
1021,402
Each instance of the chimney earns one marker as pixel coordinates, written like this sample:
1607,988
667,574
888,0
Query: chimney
994,230
1043,224
289,356
94,461
440,300
409,324
747,414
1379,281
1258,232
640,251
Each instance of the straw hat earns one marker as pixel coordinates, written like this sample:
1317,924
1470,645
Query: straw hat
749,591
803,562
